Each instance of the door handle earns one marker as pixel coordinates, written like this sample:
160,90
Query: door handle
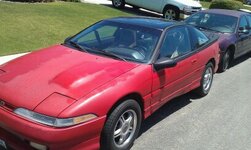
194,61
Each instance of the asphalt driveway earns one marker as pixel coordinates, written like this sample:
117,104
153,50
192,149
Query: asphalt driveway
219,121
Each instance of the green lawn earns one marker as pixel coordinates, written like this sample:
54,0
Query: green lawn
27,27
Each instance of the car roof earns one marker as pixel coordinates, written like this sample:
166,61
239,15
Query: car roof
227,12
150,22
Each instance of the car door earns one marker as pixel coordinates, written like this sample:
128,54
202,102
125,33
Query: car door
135,2
249,28
155,5
171,82
243,43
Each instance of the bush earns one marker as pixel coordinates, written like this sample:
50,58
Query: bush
242,1
71,0
206,0
226,4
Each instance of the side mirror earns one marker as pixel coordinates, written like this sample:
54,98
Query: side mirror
242,30
67,39
164,63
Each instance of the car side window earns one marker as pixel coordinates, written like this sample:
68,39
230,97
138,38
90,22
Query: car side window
243,23
198,39
176,43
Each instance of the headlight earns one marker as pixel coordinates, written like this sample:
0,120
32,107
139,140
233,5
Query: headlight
51,121
187,9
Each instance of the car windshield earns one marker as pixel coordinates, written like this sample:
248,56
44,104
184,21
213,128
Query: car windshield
215,22
118,40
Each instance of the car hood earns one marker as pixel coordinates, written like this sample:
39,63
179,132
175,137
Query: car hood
191,3
30,79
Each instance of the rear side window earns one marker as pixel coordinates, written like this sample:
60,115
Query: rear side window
176,43
198,38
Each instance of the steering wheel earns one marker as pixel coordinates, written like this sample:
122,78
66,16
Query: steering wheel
141,49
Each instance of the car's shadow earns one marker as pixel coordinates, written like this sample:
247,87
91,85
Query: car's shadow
166,110
240,60
138,12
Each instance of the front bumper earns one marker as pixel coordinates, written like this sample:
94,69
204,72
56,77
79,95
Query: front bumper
13,127
186,13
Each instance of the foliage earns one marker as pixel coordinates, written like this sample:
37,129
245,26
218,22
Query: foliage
226,4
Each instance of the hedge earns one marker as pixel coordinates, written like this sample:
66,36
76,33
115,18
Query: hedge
226,4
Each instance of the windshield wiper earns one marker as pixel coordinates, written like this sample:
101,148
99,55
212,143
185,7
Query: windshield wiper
205,28
110,54
82,48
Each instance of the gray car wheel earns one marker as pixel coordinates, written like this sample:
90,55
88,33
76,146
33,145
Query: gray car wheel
118,3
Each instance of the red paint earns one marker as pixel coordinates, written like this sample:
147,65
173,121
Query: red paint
62,82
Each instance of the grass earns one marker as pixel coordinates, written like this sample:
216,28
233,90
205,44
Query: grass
26,27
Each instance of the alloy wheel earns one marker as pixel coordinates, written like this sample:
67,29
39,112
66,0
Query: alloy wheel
125,128
117,3
207,79
226,60
170,14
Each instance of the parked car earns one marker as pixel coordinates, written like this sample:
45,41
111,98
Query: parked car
96,88
248,2
233,28
171,9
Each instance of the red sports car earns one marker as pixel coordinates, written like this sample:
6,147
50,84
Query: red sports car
94,90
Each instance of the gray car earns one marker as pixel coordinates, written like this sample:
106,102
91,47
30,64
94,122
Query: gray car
248,2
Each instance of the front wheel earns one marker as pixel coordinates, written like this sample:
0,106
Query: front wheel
171,13
206,80
122,126
118,3
225,62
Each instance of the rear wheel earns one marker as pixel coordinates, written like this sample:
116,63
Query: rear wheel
171,13
118,3
206,80
122,126
135,7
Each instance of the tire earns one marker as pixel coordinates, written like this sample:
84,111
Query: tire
125,119
118,3
171,13
206,80
135,7
225,61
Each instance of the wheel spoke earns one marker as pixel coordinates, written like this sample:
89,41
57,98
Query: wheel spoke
129,119
117,133
122,119
122,139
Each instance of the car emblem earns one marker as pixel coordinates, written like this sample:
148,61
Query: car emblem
2,103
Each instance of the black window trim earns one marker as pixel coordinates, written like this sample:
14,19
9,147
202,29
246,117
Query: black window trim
189,54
